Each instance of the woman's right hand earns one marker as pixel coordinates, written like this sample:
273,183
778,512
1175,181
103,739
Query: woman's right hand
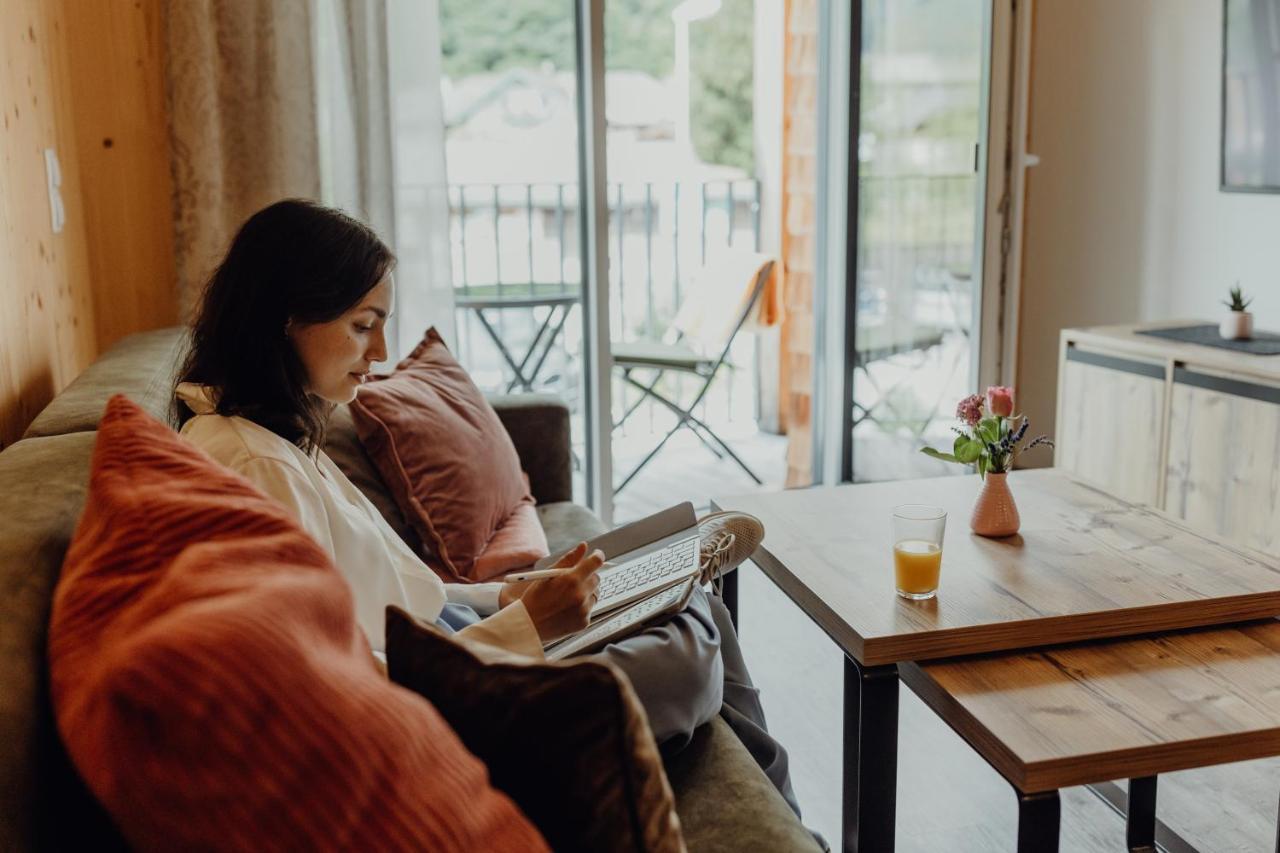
561,605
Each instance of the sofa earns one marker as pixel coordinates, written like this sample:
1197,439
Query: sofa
724,801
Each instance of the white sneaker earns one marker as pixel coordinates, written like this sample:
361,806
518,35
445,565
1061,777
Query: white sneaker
727,539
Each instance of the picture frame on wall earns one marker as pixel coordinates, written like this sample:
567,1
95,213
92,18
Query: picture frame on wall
1250,139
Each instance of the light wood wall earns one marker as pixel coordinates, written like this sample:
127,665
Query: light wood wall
47,331
122,144
86,79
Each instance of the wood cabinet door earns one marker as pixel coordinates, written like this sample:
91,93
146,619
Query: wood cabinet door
1223,473
1110,423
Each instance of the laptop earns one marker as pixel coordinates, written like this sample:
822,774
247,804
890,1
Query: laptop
651,567
623,621
643,557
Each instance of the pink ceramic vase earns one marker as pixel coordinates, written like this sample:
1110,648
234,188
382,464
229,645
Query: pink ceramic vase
995,513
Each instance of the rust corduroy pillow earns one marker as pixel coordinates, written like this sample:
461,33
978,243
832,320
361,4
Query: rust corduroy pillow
213,688
568,741
449,463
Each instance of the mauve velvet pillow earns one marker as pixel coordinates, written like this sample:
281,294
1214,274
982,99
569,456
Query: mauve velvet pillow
567,740
213,688
447,460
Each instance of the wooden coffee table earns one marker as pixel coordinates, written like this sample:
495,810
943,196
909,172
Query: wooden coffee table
1086,565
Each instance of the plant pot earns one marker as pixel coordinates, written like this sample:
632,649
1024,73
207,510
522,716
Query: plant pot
994,513
1237,326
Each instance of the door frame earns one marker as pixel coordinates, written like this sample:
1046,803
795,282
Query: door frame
836,238
997,228
1007,162
593,228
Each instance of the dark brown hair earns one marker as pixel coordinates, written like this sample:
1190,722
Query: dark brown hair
293,261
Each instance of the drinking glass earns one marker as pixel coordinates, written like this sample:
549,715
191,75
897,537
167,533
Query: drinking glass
917,549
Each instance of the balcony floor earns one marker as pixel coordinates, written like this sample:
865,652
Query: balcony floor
686,470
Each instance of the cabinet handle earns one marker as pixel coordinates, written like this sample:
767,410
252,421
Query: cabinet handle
1223,385
1111,362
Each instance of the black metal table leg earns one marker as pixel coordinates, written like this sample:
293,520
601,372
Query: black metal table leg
870,757
1038,818
729,595
1165,839
1140,822
502,349
550,342
533,348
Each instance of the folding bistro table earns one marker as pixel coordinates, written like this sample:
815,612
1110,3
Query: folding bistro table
559,298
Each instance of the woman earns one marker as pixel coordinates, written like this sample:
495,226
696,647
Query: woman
289,326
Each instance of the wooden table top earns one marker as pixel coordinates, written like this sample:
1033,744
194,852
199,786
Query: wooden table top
1117,709
1085,565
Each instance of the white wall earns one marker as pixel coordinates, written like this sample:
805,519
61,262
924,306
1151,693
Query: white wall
1199,240
1124,219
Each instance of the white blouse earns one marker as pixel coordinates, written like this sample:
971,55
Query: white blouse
376,562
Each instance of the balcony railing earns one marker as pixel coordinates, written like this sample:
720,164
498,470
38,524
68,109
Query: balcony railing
513,240
506,237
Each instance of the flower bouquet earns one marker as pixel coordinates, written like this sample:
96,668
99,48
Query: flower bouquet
990,441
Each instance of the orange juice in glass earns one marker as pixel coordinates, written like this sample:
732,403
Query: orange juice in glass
917,549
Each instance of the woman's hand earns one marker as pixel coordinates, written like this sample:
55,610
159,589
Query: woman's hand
561,605
515,590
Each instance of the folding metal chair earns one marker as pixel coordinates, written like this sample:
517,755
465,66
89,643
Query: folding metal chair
679,357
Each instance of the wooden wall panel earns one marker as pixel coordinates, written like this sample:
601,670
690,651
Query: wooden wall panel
122,141
47,332
73,75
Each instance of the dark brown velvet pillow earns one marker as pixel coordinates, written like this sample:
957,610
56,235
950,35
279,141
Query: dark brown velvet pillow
567,741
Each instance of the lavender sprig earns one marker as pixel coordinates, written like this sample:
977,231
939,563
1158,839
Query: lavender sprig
1022,430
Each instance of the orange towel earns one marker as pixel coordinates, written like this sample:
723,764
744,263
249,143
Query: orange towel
772,310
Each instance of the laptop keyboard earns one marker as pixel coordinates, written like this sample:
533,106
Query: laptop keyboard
654,570
614,625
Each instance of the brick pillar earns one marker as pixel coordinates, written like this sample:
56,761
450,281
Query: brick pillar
799,170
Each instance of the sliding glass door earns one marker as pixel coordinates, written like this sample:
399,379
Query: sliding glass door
687,188
522,116
914,297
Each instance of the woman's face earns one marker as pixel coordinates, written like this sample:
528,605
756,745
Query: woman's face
337,355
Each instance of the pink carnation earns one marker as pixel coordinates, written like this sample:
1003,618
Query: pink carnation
970,409
1000,400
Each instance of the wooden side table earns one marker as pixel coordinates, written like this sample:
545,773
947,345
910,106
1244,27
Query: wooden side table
1125,709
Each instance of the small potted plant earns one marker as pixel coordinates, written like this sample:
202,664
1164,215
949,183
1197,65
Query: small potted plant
1238,324
990,443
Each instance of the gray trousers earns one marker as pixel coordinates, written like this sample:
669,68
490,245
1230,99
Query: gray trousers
685,670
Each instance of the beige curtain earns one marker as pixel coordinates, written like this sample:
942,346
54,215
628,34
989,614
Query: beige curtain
242,113
336,100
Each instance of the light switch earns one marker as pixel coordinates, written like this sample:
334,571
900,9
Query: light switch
53,179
